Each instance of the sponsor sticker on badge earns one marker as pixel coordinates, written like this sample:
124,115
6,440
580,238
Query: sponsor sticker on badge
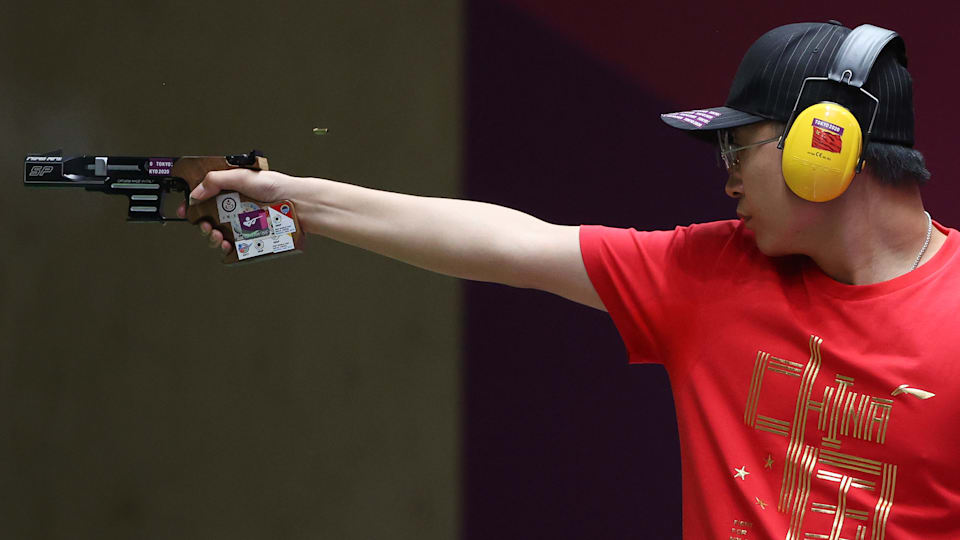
283,242
227,205
280,220
241,208
253,224
254,248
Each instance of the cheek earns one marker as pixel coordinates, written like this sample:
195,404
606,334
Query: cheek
764,186
780,214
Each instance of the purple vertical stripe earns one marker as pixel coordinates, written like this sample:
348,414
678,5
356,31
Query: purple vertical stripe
562,438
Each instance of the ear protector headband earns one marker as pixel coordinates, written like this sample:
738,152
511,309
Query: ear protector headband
823,145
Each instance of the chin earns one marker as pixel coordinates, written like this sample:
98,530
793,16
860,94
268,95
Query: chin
770,247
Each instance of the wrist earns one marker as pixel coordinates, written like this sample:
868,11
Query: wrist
305,194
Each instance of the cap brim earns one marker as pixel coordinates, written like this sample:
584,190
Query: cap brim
709,119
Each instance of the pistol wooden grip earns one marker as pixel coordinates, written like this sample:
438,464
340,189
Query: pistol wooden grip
193,169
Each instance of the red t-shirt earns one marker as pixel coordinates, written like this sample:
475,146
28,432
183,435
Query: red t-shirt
806,408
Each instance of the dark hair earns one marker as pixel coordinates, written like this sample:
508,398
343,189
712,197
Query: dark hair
896,165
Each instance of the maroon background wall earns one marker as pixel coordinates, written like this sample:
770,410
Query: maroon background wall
562,438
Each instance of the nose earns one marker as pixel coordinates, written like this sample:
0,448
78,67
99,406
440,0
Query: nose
734,186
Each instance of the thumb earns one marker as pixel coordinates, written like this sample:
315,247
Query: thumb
216,181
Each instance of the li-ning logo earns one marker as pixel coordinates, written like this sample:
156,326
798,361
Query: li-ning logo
40,170
827,136
915,392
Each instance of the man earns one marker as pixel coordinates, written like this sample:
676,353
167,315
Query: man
809,344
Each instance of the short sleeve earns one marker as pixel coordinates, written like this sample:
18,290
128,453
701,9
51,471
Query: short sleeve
650,281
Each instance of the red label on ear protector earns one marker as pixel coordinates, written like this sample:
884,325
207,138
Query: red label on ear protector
826,136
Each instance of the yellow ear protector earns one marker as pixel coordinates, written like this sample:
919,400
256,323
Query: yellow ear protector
821,152
823,145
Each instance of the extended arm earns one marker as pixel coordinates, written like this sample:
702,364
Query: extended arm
465,239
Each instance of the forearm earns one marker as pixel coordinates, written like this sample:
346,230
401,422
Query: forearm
464,239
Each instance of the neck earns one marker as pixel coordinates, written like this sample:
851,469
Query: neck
873,233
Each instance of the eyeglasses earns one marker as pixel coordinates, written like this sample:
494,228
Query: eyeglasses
730,153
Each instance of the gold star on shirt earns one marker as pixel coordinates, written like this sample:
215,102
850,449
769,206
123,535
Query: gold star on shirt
769,463
741,472
763,505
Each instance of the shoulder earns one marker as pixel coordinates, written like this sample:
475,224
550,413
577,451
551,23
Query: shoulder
697,252
694,239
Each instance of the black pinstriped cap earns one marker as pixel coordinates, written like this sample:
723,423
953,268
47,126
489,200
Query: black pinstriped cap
770,75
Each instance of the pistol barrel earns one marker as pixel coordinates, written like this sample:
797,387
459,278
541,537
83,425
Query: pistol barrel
144,181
